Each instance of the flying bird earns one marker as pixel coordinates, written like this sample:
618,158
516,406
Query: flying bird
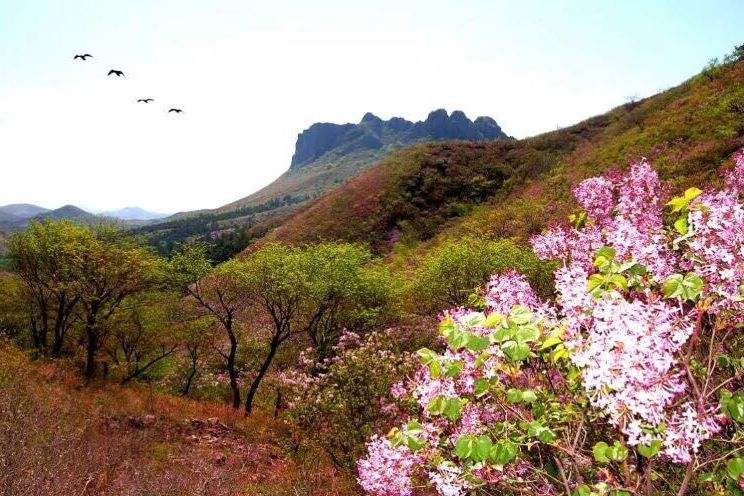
115,72
144,100
176,110
82,57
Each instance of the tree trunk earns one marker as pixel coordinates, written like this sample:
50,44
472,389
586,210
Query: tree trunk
92,349
139,371
192,374
231,367
261,373
60,328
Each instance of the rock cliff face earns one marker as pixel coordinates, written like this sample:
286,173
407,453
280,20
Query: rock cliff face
373,133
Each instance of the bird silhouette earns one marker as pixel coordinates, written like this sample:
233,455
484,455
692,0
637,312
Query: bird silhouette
176,110
144,100
82,57
115,72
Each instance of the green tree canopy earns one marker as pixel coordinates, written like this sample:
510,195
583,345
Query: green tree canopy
448,275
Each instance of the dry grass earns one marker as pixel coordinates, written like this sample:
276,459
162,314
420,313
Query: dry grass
61,437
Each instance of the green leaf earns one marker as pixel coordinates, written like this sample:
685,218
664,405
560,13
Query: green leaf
606,252
502,334
482,450
516,351
673,286
453,409
735,468
693,285
583,490
692,193
504,452
414,428
493,320
474,319
595,283
688,287
520,315
735,408
481,387
528,333
543,434
476,343
617,452
464,447
681,225
514,396
453,369
437,405
414,443
549,342
600,452
529,396
678,203
427,355
619,281
649,451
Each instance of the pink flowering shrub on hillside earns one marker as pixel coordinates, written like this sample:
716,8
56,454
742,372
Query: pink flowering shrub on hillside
628,382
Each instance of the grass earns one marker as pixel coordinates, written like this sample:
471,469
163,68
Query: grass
61,436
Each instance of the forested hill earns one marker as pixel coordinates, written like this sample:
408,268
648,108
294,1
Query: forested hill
516,188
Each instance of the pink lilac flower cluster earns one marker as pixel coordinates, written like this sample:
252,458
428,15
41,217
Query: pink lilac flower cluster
628,345
510,289
478,417
628,361
387,470
717,240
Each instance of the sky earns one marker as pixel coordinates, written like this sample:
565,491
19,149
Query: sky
251,75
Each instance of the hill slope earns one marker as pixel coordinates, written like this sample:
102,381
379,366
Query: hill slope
326,156
504,189
22,210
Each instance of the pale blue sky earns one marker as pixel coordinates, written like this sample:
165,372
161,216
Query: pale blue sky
251,75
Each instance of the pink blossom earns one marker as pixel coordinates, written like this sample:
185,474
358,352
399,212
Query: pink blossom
387,470
508,290
596,196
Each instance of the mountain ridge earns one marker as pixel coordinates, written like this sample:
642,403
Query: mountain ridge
374,133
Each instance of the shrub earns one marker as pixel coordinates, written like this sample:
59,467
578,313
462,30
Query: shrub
628,382
449,275
338,403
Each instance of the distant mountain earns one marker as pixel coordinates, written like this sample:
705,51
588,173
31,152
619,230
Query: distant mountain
22,210
134,213
373,133
68,212
326,156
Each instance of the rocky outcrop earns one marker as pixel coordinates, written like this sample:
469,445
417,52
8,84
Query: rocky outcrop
373,133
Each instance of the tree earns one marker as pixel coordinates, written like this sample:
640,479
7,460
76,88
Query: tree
344,292
317,290
13,305
110,267
217,295
42,256
144,332
448,275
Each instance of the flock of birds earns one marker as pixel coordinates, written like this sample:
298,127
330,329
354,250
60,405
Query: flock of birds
118,73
